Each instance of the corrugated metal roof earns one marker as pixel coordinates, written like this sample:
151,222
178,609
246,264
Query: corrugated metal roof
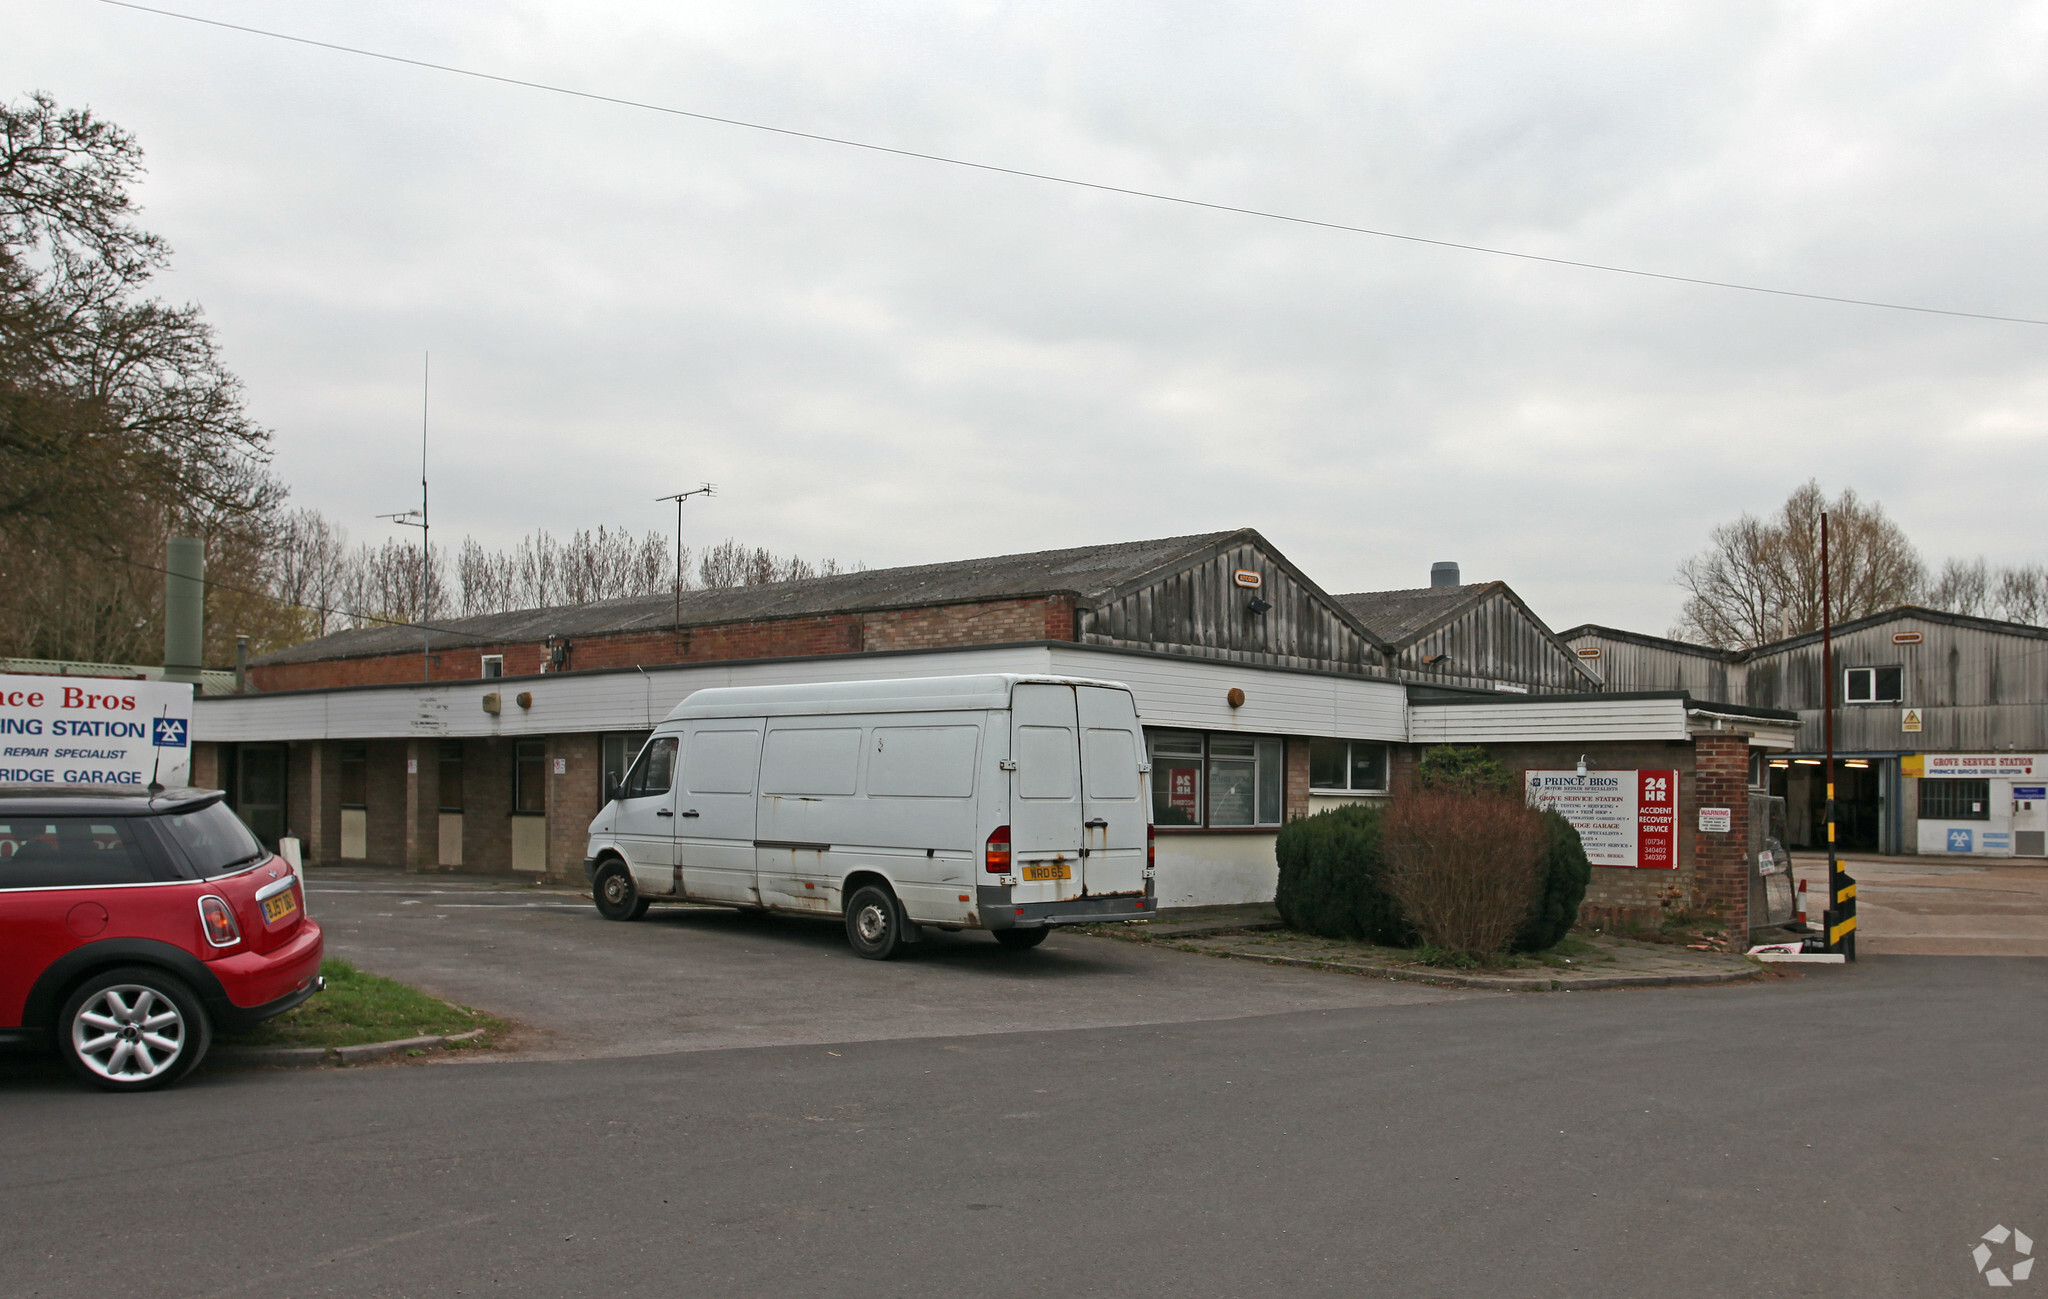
1400,616
1086,572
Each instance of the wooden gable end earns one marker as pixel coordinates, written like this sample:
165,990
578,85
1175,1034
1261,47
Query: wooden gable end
1496,641
1202,609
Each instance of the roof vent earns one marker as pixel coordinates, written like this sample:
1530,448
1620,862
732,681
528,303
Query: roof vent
1444,573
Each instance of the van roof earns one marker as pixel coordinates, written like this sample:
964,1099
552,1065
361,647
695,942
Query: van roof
908,695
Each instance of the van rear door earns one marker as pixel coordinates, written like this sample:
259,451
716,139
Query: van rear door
1112,802
1045,793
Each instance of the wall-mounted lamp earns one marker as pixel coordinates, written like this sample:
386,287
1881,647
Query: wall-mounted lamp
1259,605
1435,660
1235,698
1582,764
524,699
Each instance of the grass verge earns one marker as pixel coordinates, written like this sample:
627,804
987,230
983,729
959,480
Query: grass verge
359,1008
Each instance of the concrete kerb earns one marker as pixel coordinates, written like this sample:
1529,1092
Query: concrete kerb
1501,983
313,1057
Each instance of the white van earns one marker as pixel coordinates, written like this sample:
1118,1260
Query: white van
1006,803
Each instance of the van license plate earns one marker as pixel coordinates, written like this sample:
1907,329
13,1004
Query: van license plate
277,908
1056,870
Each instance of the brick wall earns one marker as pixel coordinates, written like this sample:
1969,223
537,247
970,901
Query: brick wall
1721,861
205,765
384,799
985,623
307,775
572,800
1295,782
487,805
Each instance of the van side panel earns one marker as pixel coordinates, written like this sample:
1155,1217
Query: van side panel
889,793
714,815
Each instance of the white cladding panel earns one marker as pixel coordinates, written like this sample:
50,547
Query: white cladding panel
1193,694
1170,692
1564,720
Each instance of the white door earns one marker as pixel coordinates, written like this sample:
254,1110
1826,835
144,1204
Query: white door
1112,792
715,810
644,823
1045,793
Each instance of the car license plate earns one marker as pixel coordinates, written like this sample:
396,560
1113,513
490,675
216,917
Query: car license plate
277,908
1052,870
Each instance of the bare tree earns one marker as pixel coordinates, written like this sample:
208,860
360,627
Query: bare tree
1760,579
1964,587
2022,594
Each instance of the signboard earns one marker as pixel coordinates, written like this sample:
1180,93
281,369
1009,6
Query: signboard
1909,719
94,731
1247,577
1625,818
1181,793
1716,820
1981,765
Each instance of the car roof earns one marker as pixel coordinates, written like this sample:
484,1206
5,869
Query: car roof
86,800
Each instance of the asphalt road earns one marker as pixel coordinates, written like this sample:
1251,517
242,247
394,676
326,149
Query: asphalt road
1850,1131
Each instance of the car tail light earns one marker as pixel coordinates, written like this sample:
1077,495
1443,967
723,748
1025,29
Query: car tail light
1151,848
218,919
995,855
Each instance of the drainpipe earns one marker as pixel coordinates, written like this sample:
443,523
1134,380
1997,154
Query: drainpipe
184,609
241,665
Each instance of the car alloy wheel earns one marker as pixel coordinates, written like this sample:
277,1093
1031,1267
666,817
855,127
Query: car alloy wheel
132,1029
128,1033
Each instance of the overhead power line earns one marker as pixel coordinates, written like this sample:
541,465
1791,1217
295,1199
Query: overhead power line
1099,186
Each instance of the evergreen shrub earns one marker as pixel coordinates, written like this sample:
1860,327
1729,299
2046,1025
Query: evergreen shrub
1330,878
1561,878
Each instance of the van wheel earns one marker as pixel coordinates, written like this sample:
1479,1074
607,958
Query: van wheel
132,1029
614,893
874,922
1019,939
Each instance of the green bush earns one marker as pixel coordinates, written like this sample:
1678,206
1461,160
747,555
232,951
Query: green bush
1561,878
1330,878
1465,769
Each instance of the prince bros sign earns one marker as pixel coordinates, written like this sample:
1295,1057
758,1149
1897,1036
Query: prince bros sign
1625,818
89,731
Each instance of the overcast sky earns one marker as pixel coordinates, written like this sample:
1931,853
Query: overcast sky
895,361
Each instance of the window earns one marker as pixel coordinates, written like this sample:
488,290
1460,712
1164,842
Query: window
654,771
1872,685
1344,767
494,666
529,777
212,838
1955,800
451,776
616,758
1215,780
43,852
1759,769
354,775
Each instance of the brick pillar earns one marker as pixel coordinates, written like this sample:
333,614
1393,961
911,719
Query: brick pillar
574,774
1721,860
422,805
307,815
205,766
1295,783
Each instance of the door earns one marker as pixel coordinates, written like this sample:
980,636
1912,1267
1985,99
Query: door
715,811
644,826
1112,802
1045,793
2030,820
259,789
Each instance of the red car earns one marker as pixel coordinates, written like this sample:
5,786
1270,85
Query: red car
134,925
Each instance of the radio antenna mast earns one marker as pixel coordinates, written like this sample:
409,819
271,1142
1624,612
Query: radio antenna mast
706,490
418,519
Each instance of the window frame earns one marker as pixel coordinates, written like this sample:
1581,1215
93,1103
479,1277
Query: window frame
460,761
1268,760
487,662
1351,767
1954,791
1875,669
354,753
524,751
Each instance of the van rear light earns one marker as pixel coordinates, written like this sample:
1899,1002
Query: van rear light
1151,847
995,855
218,919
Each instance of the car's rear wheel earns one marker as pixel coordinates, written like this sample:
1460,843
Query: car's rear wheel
874,922
132,1029
1020,939
614,893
